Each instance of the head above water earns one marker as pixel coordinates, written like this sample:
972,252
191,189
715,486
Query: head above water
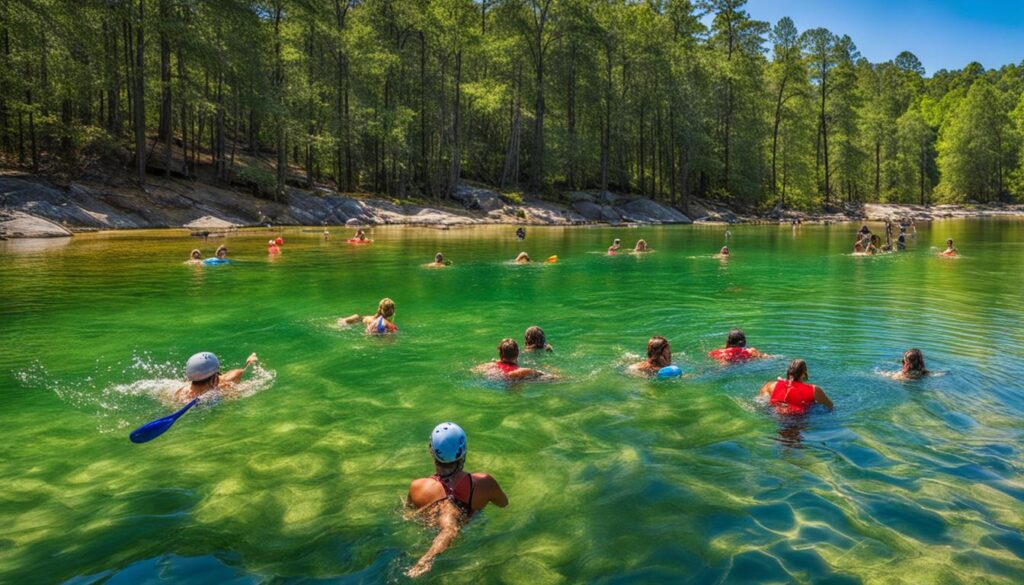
913,362
641,244
196,254
523,257
439,258
448,447
508,351
386,308
797,371
658,351
201,367
724,251
949,243
736,338
221,252
535,338
617,242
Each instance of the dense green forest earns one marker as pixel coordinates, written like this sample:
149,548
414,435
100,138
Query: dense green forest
667,98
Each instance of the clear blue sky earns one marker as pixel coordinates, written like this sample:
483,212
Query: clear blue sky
944,34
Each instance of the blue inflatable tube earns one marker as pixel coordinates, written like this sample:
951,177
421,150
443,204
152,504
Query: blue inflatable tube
216,261
670,372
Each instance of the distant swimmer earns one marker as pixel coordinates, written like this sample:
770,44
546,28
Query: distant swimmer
327,235
220,257
913,366
901,240
522,258
203,373
536,340
659,355
378,324
521,234
360,235
723,253
272,248
439,261
735,349
616,245
641,246
447,499
196,257
507,366
794,395
950,249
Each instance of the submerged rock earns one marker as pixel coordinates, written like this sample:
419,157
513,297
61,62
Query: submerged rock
18,224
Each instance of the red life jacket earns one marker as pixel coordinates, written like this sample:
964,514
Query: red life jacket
795,397
732,354
506,368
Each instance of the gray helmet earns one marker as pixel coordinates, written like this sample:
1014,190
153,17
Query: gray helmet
201,366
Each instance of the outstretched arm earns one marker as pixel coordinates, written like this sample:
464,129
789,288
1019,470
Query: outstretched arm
821,398
234,376
450,522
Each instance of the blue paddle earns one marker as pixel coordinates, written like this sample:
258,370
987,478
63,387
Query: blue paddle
154,429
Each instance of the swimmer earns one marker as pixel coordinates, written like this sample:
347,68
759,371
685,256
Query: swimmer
327,235
521,234
360,235
659,355
380,323
735,349
614,247
221,254
864,231
522,258
901,240
950,250
723,253
203,373
536,340
439,261
913,366
507,366
794,395
272,248
641,246
451,496
196,257
858,248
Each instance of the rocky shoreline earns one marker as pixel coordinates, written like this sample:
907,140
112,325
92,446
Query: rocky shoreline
32,207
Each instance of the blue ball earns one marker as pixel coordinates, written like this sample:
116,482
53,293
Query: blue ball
670,372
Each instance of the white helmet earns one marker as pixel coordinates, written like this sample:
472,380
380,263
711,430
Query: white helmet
201,366
448,442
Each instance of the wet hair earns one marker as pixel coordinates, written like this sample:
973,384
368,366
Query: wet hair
913,362
949,242
639,242
736,338
195,254
797,371
439,257
617,241
535,338
386,308
508,351
221,249
523,256
724,250
655,346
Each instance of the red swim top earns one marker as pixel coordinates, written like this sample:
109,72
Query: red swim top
732,354
796,396
461,495
506,368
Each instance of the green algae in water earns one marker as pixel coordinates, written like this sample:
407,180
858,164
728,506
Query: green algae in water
609,477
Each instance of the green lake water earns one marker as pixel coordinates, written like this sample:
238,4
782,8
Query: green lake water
611,479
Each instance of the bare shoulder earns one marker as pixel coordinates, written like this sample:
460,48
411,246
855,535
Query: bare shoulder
422,492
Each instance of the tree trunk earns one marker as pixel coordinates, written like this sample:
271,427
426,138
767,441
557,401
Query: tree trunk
456,162
140,102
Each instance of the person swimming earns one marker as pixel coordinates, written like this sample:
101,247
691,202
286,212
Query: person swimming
203,373
901,240
794,395
659,355
327,234
735,349
950,249
507,366
221,253
616,245
521,233
535,340
439,261
378,324
196,257
360,235
272,248
723,253
522,258
450,497
913,366
641,246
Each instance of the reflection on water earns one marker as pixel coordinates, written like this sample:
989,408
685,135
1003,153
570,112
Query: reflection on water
610,477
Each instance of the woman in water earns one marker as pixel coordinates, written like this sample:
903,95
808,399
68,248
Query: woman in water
196,257
536,341
221,253
272,248
735,349
913,366
659,355
451,496
507,366
203,373
641,246
360,235
950,250
439,261
380,323
614,247
723,253
794,395
522,258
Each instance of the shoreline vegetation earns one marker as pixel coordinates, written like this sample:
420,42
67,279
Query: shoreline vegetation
160,113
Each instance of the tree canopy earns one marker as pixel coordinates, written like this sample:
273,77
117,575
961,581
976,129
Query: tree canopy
408,97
